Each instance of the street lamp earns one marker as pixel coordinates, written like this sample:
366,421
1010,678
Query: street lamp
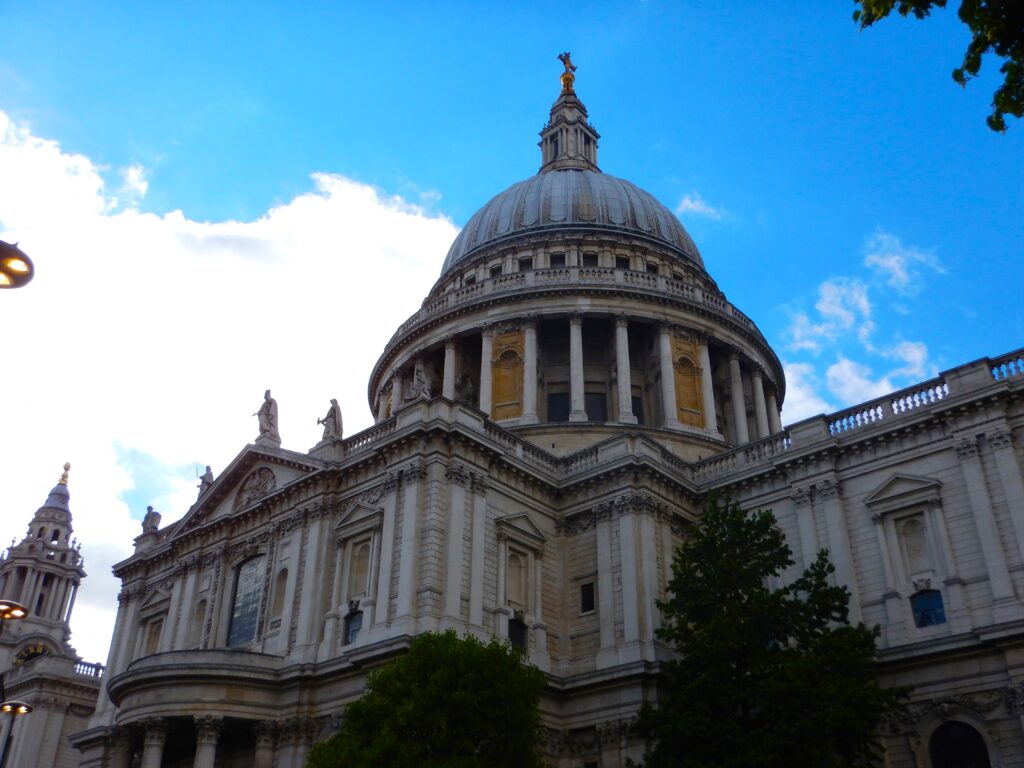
16,268
9,609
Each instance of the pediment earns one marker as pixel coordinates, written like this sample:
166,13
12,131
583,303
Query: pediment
522,528
359,515
901,490
255,474
157,599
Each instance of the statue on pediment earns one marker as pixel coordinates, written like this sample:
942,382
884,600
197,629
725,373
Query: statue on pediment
267,415
205,480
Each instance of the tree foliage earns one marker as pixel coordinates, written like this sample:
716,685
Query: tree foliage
449,701
767,677
997,26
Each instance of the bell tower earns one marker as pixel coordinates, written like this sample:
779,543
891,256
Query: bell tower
43,573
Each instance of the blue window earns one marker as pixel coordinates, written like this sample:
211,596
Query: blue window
927,608
353,623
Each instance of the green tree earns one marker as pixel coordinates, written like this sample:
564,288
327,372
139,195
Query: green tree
449,701
767,677
997,26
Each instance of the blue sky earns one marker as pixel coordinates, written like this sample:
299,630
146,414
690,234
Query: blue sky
218,195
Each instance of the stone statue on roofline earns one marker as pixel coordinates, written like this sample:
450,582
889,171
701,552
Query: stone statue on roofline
332,421
420,388
205,480
267,415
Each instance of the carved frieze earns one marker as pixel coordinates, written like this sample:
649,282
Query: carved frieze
257,485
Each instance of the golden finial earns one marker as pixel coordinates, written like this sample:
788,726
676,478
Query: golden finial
568,78
64,476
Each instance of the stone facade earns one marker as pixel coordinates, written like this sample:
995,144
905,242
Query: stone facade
548,424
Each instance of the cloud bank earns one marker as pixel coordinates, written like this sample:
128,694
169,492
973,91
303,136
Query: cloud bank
145,341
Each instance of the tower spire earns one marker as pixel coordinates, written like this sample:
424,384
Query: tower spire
568,141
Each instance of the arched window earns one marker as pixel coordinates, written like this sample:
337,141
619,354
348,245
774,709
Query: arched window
958,745
246,604
927,607
359,570
280,585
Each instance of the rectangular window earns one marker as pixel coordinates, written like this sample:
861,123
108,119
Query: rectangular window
928,608
558,406
469,279
596,405
353,623
652,269
622,262
587,597
557,260
517,634
526,264
246,607
589,259
496,271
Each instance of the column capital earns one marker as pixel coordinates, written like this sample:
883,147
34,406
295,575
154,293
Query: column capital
530,320
265,732
576,317
448,341
621,320
487,329
828,488
156,730
1000,438
967,446
665,326
208,728
801,496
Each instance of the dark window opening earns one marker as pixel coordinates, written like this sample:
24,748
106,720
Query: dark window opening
596,405
638,409
958,745
55,536
677,276
587,597
526,264
558,406
496,271
928,609
39,603
353,623
652,269
554,148
557,260
590,764
517,634
622,262
41,532
469,279
589,259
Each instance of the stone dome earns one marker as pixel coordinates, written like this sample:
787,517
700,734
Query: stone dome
571,198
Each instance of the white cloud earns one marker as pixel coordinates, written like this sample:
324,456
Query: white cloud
842,306
852,382
899,265
694,204
914,356
158,334
802,398
135,184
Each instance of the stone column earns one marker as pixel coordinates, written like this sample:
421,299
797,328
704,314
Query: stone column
457,477
985,521
382,606
486,353
894,628
774,418
382,403
207,732
405,618
760,408
397,392
622,370
448,379
607,655
156,735
576,396
1001,441
669,406
707,383
264,753
476,558
739,408
839,542
529,372
119,748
